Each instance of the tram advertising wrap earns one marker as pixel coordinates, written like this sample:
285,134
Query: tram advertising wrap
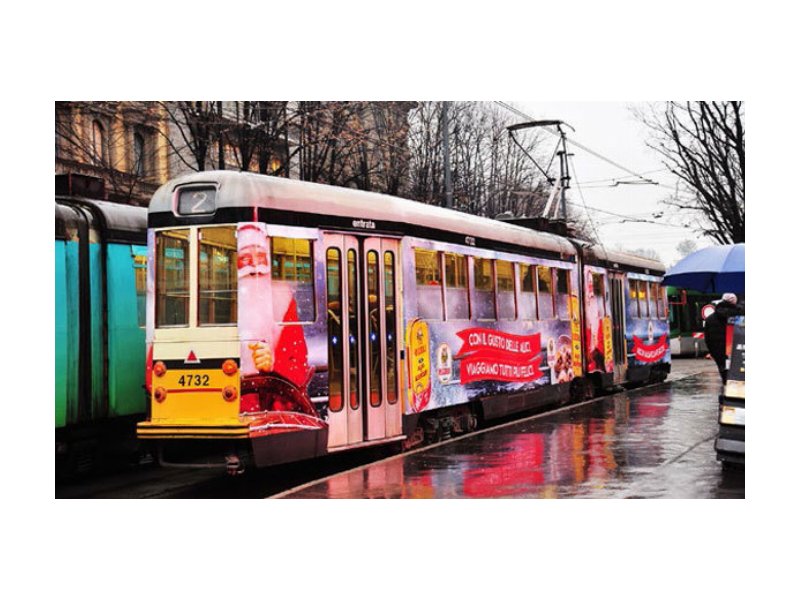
647,330
481,355
287,320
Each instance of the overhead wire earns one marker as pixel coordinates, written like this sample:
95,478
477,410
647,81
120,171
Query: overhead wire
588,216
582,146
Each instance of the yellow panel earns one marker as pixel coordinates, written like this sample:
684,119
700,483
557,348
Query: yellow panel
195,395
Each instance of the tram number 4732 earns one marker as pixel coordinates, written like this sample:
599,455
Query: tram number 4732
194,381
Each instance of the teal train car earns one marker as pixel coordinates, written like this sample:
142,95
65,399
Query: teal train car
100,291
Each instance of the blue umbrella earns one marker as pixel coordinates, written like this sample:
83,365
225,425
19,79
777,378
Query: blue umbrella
717,269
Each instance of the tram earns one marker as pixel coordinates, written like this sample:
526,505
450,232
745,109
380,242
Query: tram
288,320
686,321
100,275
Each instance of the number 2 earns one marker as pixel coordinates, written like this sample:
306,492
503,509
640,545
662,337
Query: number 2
201,198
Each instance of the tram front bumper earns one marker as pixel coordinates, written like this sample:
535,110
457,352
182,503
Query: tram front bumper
272,438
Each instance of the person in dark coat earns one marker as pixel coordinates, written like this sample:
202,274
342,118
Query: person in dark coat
715,330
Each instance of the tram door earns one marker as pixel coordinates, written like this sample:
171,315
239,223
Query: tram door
363,377
618,325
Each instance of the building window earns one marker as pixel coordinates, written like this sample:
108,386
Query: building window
429,284
457,288
99,143
138,155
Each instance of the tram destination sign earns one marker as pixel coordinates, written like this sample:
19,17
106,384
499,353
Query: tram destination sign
197,200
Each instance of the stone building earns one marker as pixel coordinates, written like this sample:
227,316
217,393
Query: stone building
136,146
123,143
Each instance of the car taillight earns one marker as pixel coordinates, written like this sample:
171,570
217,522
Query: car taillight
159,369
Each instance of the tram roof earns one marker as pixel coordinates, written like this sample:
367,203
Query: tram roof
597,254
236,190
122,222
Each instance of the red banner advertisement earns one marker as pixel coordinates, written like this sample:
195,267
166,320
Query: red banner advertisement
497,369
650,353
493,355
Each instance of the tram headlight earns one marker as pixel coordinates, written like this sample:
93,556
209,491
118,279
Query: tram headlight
160,394
159,369
229,367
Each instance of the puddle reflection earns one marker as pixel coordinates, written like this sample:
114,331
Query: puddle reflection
584,451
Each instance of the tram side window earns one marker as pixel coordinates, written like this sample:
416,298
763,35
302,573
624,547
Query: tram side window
544,286
217,281
292,278
506,297
429,284
636,307
140,279
664,302
527,292
391,327
374,328
562,294
599,290
354,326
333,260
457,288
484,290
172,278
655,309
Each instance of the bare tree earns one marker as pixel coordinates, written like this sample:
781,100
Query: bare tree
491,175
194,128
703,144
256,135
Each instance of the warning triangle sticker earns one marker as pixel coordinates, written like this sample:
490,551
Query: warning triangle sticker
192,358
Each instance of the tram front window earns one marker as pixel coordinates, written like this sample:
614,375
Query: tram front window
172,278
217,281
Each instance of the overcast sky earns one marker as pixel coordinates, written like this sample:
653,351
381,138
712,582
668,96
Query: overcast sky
611,129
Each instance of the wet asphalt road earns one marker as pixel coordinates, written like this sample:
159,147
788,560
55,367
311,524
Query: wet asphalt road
655,442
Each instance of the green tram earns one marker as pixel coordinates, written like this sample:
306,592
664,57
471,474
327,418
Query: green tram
100,294
686,321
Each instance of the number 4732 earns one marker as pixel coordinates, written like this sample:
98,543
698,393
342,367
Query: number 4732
193,380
